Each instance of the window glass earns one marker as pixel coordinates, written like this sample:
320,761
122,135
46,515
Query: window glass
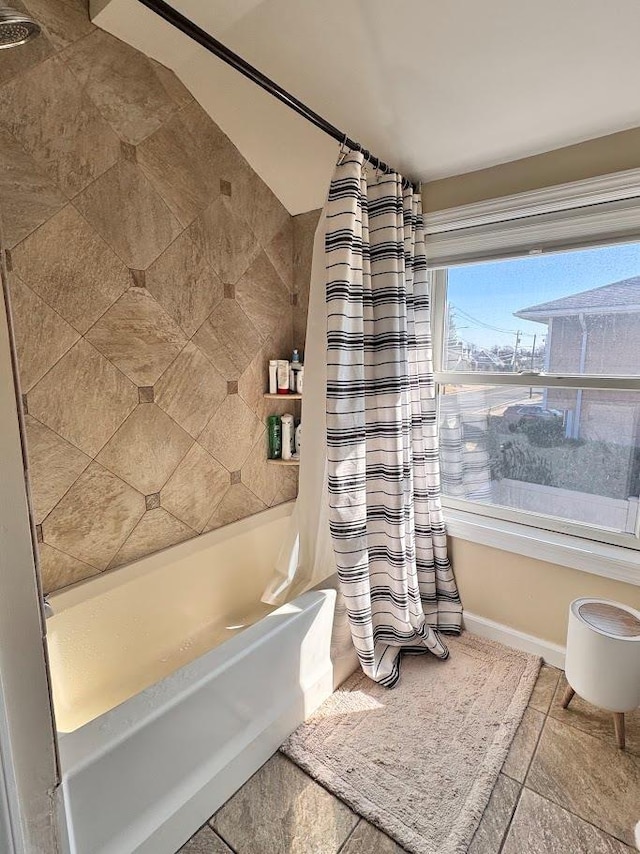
573,454
573,312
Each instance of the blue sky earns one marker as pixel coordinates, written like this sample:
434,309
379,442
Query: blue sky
490,293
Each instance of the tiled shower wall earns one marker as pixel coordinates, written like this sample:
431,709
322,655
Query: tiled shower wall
151,278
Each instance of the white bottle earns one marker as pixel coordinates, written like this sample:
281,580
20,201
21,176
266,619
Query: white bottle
273,376
283,376
299,379
294,368
298,439
287,437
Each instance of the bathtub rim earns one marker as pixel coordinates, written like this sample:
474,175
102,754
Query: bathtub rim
107,580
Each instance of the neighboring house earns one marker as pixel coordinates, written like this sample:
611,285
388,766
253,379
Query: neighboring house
594,332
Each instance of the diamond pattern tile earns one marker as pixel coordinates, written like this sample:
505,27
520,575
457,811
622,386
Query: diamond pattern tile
196,487
29,197
238,503
228,339
122,83
280,253
146,449
84,398
54,465
182,161
129,214
18,62
71,268
78,524
264,298
138,336
190,390
58,569
232,432
225,239
63,22
258,476
53,119
184,284
156,530
42,336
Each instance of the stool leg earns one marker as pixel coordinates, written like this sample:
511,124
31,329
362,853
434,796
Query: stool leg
618,723
568,696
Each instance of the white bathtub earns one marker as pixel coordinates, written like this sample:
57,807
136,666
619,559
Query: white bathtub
172,684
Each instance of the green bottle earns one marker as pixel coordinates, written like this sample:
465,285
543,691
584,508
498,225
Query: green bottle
274,426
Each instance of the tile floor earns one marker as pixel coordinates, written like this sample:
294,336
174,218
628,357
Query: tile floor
564,789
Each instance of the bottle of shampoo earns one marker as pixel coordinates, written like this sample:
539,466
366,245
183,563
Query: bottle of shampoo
293,370
274,428
287,437
298,441
273,376
283,376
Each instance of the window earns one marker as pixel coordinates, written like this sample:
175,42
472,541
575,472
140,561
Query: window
538,375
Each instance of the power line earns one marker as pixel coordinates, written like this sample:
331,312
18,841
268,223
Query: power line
482,324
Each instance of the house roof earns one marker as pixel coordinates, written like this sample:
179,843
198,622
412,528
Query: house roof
616,298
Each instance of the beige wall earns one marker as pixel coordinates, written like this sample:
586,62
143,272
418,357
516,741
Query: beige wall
151,280
529,595
613,153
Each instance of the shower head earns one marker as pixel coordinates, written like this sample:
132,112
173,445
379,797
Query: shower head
15,28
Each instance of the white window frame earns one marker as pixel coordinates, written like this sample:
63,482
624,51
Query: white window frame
594,212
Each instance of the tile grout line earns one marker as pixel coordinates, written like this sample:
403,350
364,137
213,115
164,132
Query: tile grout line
535,750
351,832
550,800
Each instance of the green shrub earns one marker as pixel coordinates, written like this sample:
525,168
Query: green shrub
543,433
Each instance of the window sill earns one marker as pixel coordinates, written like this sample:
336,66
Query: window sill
585,555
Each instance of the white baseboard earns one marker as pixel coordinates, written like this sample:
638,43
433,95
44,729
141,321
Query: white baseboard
552,653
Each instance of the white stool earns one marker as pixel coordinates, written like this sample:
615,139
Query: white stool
603,658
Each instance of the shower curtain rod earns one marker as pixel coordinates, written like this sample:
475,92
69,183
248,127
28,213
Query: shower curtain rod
185,25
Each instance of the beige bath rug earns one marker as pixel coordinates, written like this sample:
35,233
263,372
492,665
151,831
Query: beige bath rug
420,760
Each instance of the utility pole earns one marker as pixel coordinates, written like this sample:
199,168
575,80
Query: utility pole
533,355
515,350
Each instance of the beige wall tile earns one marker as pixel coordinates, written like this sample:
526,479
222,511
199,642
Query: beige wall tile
28,196
63,22
225,239
83,398
14,63
232,432
195,488
54,465
122,84
191,390
255,202
71,268
280,253
79,525
182,160
58,125
156,530
238,503
184,284
129,214
228,339
42,336
58,569
146,449
205,842
173,86
138,336
264,298
258,475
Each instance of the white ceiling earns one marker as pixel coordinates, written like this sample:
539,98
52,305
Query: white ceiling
436,87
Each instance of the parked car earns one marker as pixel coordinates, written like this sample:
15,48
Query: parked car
519,413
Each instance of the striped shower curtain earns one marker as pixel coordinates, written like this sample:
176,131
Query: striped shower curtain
382,449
